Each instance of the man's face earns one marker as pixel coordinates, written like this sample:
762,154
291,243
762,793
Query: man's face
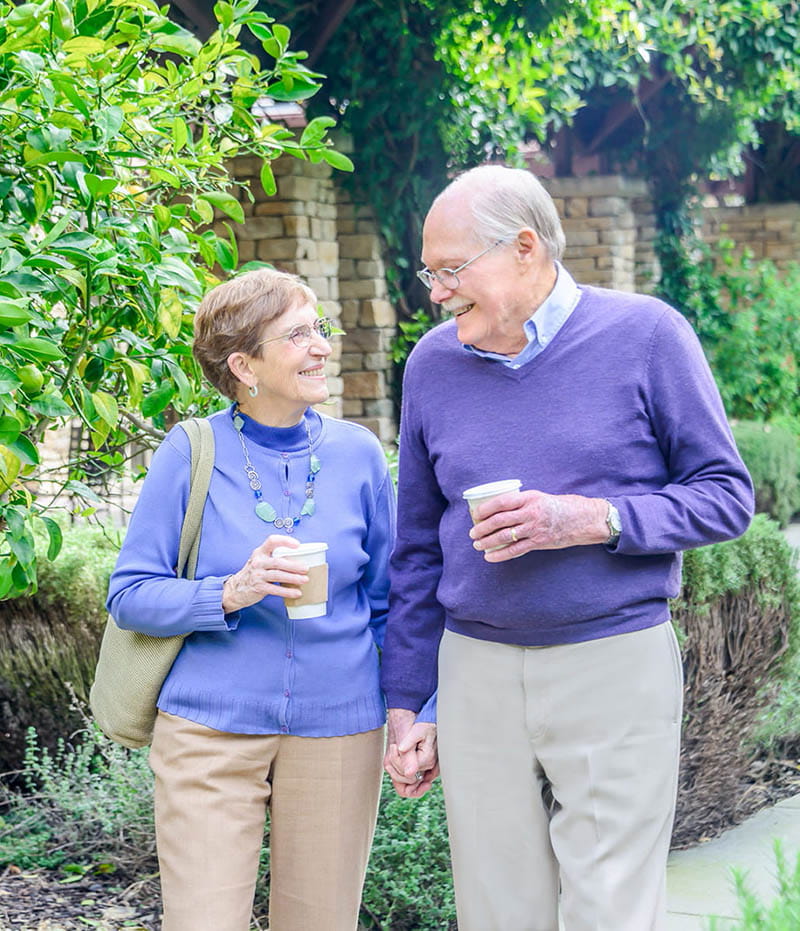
493,297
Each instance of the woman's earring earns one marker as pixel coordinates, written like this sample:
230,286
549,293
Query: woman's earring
253,391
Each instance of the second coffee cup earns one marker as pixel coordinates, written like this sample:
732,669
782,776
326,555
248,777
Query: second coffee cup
313,601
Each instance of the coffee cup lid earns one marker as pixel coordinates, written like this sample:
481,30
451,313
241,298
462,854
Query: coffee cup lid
492,488
305,549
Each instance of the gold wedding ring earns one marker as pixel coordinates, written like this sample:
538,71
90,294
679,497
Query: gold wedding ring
513,534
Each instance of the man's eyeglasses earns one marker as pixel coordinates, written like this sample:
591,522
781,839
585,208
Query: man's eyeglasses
448,277
301,335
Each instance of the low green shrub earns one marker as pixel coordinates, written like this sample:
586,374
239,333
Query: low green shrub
782,914
409,886
772,456
89,803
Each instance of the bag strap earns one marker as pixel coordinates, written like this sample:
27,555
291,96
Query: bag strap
201,441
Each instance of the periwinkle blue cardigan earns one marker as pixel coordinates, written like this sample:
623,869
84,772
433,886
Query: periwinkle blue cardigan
257,671
620,405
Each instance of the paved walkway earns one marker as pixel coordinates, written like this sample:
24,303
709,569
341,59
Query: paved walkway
699,880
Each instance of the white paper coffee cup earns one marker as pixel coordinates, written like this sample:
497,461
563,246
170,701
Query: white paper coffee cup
480,493
313,602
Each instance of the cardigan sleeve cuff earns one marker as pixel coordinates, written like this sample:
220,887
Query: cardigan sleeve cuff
207,606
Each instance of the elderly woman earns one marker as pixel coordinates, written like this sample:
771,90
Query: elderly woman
261,711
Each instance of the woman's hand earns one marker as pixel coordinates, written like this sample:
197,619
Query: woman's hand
264,574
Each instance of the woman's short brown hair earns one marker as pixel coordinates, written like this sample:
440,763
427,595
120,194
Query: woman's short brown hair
232,316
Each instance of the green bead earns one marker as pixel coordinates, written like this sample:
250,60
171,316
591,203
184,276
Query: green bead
308,508
266,511
314,464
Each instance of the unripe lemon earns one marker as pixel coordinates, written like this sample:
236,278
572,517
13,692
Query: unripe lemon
31,377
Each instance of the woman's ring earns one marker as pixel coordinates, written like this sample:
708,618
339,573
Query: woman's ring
418,775
514,535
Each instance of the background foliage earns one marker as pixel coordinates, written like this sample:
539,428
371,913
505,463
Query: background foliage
117,125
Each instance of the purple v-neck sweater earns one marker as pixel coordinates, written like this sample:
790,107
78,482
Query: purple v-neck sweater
621,405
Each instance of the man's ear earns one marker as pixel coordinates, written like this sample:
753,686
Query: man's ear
527,244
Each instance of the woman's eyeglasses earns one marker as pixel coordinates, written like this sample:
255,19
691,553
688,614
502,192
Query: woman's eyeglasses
301,335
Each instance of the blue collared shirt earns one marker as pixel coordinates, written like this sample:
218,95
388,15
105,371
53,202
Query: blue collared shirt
542,326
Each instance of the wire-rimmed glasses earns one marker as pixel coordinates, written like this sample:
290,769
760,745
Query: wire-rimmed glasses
301,335
448,277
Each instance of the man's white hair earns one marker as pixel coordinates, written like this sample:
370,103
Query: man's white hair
504,200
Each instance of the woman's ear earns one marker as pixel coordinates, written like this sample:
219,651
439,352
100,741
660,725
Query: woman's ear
239,364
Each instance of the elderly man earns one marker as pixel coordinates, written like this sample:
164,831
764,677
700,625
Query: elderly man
559,675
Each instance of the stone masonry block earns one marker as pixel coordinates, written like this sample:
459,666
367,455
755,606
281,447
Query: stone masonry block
382,408
576,207
376,361
364,340
608,206
297,226
350,314
364,385
352,408
377,313
370,269
261,228
352,362
382,427
292,187
359,247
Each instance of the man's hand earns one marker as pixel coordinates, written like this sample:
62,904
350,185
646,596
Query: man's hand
522,521
410,759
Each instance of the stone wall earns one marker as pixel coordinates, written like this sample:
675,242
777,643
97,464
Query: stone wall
768,231
603,217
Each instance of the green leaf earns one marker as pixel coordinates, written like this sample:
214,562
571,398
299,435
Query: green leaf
55,536
106,406
163,216
314,133
282,34
10,429
268,179
13,312
84,45
99,187
37,348
8,380
25,449
180,134
109,121
76,487
157,400
45,158
9,468
337,160
227,203
297,87
51,406
181,43
204,210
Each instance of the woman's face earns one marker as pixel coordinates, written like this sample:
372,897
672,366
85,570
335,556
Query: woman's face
290,377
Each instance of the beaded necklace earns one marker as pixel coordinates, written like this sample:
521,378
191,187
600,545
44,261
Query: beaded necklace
263,508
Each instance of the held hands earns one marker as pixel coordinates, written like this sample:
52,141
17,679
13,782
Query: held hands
522,521
410,759
264,574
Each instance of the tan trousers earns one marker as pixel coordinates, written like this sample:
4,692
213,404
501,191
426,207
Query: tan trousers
559,766
212,791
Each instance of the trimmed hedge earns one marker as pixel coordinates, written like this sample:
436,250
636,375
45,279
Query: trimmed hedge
772,455
738,618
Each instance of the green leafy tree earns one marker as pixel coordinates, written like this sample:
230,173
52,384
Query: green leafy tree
118,127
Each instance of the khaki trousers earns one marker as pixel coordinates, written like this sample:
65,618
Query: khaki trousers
212,791
559,767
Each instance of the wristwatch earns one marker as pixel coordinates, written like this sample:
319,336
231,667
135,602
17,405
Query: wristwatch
614,525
